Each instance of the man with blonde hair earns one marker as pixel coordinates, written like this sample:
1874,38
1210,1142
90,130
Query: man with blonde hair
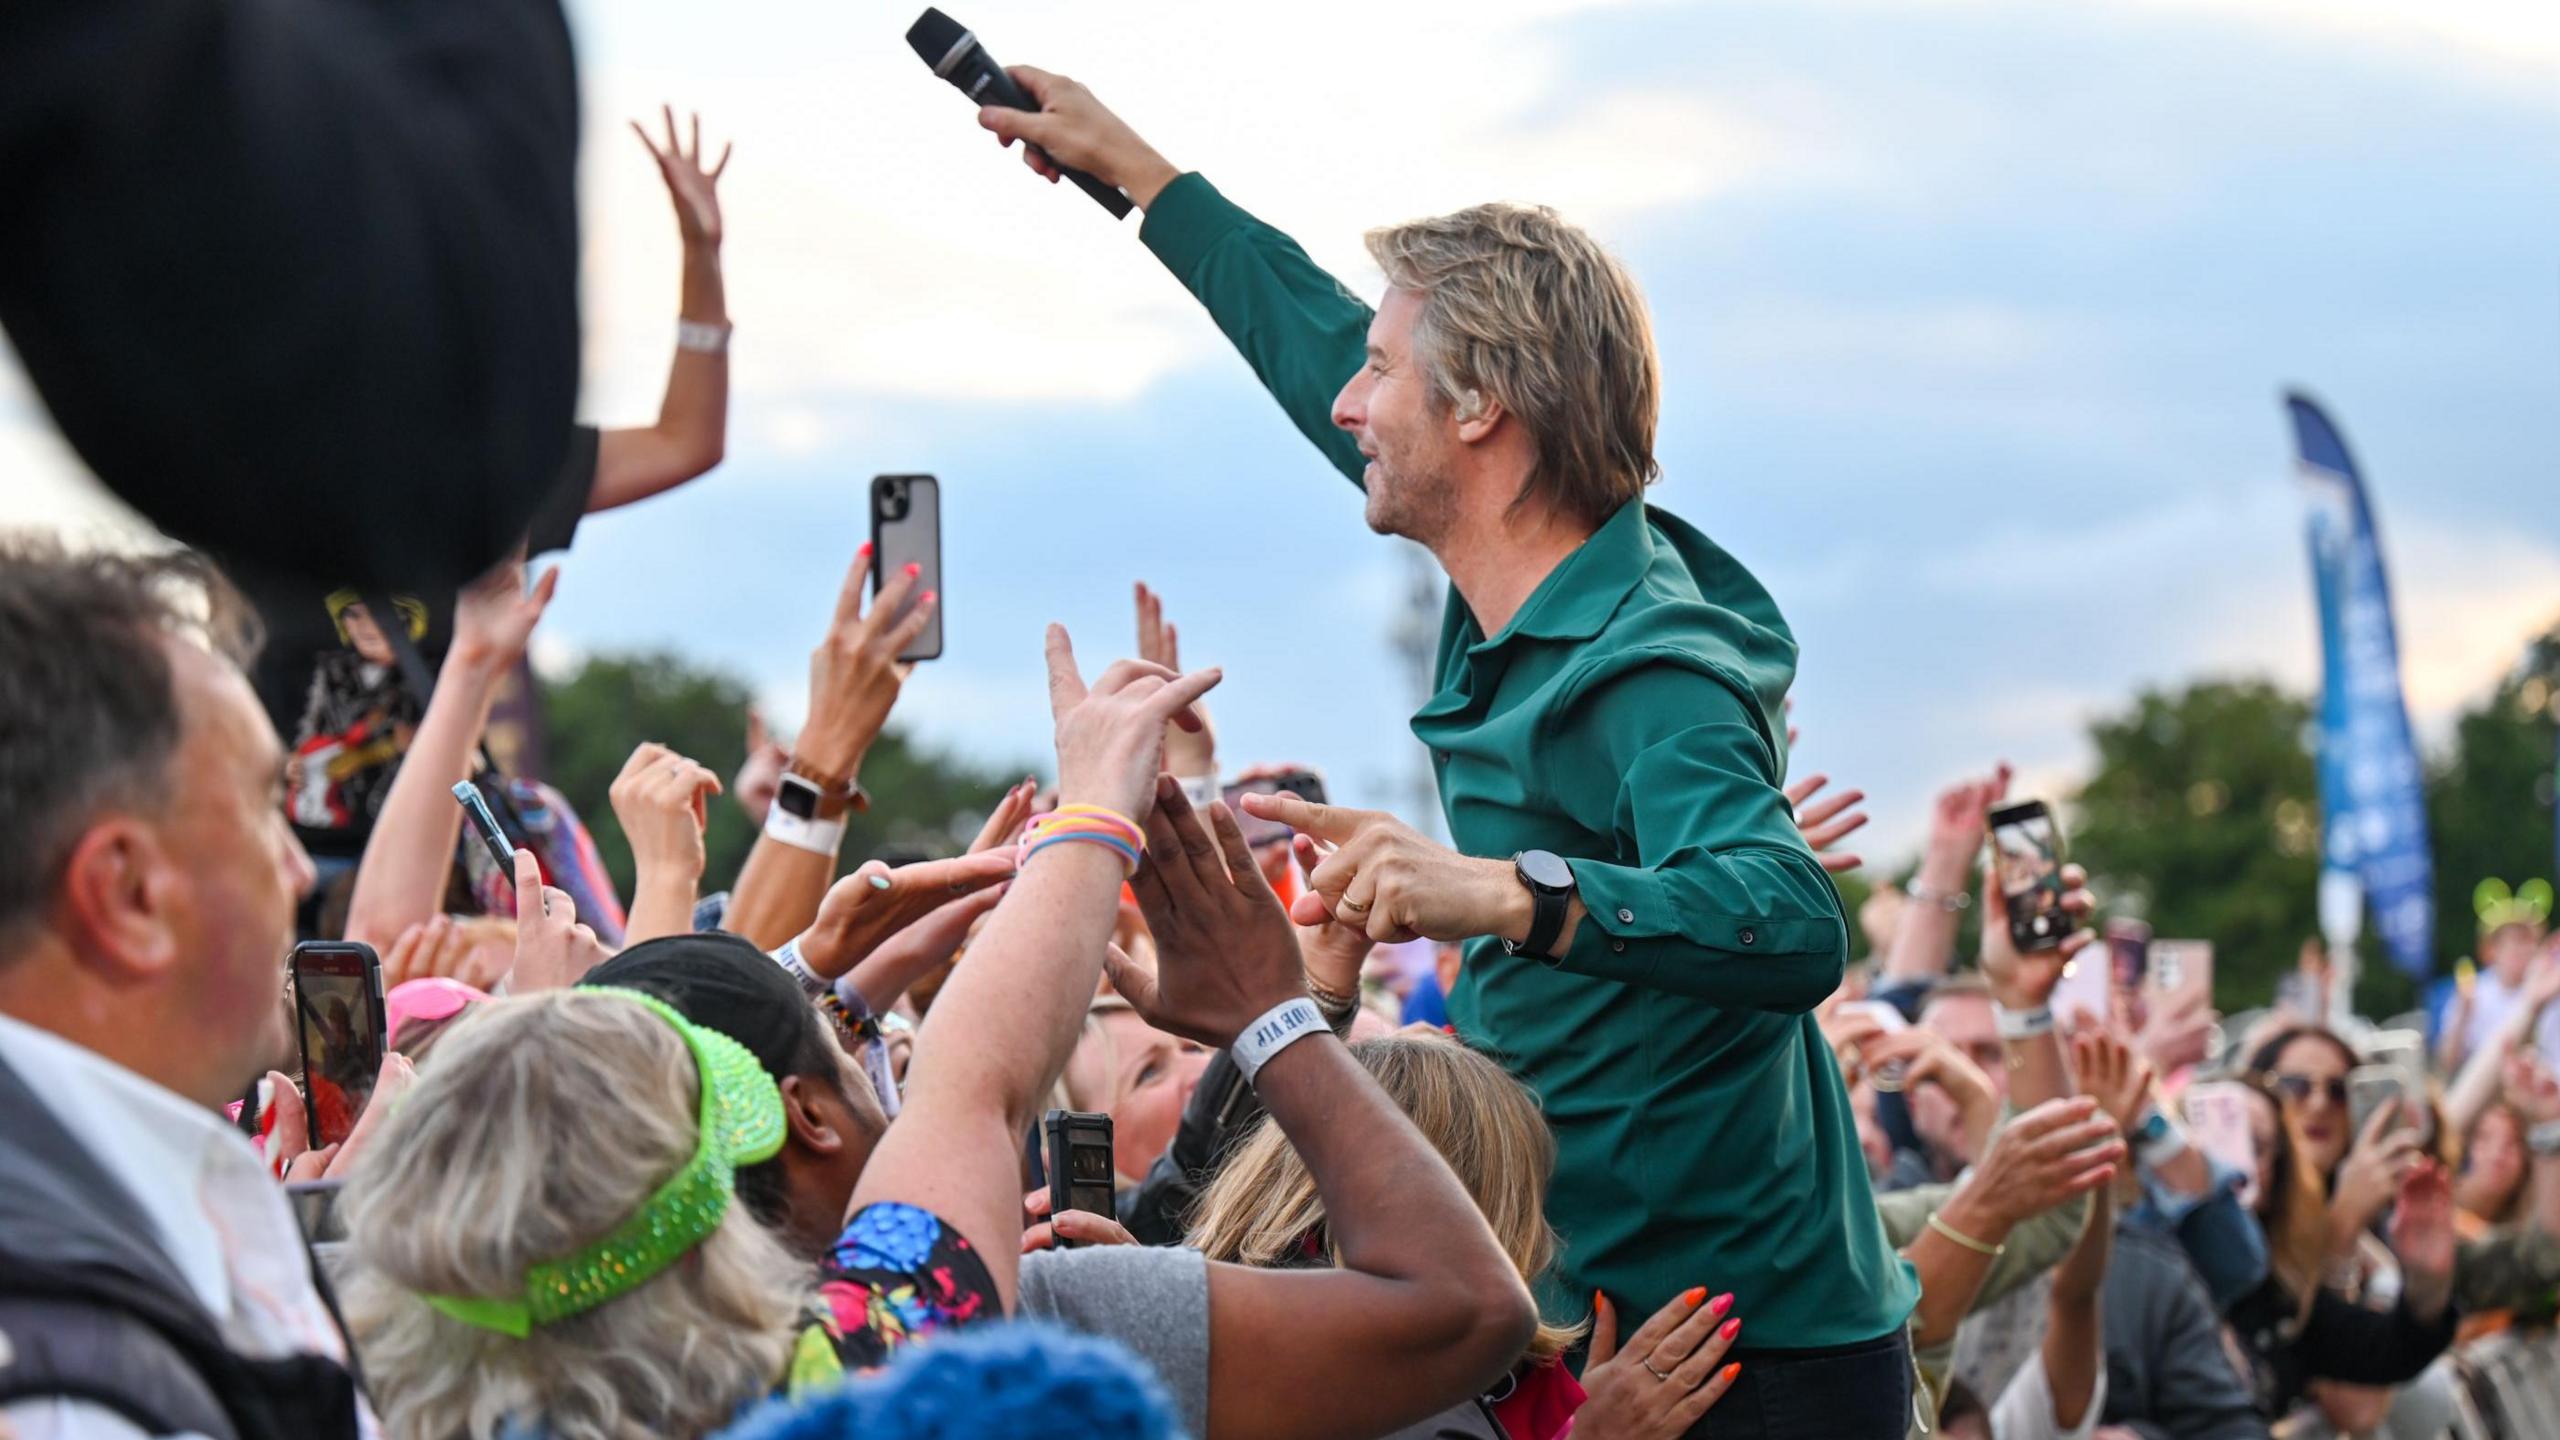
1649,932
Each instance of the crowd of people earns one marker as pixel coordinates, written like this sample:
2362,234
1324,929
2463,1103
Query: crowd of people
1581,1124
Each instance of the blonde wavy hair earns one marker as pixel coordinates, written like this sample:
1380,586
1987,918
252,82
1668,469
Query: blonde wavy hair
544,1123
1484,1123
1527,310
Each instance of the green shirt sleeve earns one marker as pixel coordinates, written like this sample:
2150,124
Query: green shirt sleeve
1304,334
1724,901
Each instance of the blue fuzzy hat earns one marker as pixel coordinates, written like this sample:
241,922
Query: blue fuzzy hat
985,1382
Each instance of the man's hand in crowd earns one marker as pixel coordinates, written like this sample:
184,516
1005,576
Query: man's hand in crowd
289,1151
1076,130
663,801
2421,1234
1225,954
2113,1073
759,776
1929,1058
1957,824
1188,754
494,616
2057,1150
2380,1160
855,673
865,909
694,188
1827,821
2025,982
1393,881
443,946
553,951
1080,1226
1335,952
1111,735
1671,1372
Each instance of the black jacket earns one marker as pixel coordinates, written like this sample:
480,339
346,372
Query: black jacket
2169,1376
93,1311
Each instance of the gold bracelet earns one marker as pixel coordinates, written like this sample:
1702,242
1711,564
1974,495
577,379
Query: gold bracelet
1961,1238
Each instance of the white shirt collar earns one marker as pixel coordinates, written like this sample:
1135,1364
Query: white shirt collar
152,1140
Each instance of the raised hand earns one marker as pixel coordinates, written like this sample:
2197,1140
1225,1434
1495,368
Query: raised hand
865,909
553,951
2059,1149
663,802
694,189
1111,735
759,776
1225,954
1335,951
2113,1073
855,673
2177,1035
443,946
1077,130
289,1151
1004,823
1081,1226
1671,1372
2374,1169
1187,753
1824,822
2025,982
2529,1087
494,616
1393,881
2421,1235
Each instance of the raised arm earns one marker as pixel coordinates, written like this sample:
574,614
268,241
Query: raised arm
1304,334
1423,1309
692,431
661,799
1002,1029
1924,942
854,678
401,879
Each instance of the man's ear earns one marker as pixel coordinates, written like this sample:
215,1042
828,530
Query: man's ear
812,1128
121,900
1477,416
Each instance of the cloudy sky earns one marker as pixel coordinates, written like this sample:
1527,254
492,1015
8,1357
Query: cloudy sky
1974,315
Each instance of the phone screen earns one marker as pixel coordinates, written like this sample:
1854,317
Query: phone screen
1307,785
337,990
2372,1087
2027,849
2218,1123
2087,986
906,529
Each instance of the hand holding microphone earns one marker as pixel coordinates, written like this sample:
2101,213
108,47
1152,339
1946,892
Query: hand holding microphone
1065,132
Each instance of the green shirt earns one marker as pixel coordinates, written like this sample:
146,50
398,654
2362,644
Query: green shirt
1629,719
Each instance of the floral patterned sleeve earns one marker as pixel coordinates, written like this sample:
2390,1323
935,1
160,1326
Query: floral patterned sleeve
897,1273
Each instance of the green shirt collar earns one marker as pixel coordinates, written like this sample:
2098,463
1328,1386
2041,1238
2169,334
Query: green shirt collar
1577,598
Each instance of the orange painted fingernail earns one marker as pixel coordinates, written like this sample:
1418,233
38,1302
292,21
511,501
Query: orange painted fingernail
1693,1295
1731,1328
1723,1303
1730,1371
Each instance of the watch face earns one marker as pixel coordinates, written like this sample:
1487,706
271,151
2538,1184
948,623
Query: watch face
797,797
1544,869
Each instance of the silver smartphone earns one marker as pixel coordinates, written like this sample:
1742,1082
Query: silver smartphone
906,529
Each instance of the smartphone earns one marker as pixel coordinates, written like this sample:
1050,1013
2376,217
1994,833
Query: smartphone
1080,1174
1887,1077
2371,1087
906,529
315,1209
2218,1122
2129,952
485,824
1307,785
2182,967
2087,986
337,1018
2026,849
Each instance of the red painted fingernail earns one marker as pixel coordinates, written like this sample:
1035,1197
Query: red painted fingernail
1730,1371
863,550
914,568
927,598
1723,1303
1691,1296
1731,1328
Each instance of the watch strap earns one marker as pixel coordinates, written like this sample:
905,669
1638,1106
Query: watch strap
818,837
2022,1024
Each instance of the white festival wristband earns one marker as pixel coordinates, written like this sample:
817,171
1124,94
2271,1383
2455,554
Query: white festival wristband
2023,1024
702,338
1280,1027
818,837
788,957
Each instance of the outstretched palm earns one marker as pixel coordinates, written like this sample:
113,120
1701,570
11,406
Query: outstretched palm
694,189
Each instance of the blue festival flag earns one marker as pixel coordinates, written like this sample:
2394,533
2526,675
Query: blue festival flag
2372,791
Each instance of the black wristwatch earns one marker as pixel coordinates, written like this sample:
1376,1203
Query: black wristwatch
1550,883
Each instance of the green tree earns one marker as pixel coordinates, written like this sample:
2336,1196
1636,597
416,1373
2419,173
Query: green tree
2202,817
921,799
2489,804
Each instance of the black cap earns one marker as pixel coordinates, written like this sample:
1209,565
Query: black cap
724,983
933,35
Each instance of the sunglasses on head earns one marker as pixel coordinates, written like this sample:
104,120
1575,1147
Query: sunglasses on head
2300,1088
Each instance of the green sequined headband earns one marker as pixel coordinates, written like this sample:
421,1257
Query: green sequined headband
741,1124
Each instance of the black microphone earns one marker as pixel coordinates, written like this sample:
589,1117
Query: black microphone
955,55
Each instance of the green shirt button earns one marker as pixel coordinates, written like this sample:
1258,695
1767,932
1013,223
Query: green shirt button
1746,937
1626,917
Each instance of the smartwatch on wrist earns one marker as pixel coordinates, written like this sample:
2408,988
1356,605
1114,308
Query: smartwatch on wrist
1550,884
808,795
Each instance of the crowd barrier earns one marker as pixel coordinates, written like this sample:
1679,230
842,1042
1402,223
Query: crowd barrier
2510,1387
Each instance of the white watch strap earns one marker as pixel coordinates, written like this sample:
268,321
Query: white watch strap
1280,1027
2023,1024
2157,1152
818,837
700,338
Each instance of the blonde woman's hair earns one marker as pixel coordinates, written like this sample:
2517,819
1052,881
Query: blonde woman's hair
544,1123
1522,308
1484,1123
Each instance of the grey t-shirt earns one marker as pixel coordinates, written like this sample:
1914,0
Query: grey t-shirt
1153,1300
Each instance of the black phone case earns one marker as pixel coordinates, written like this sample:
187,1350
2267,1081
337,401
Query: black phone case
1068,1130
373,1002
